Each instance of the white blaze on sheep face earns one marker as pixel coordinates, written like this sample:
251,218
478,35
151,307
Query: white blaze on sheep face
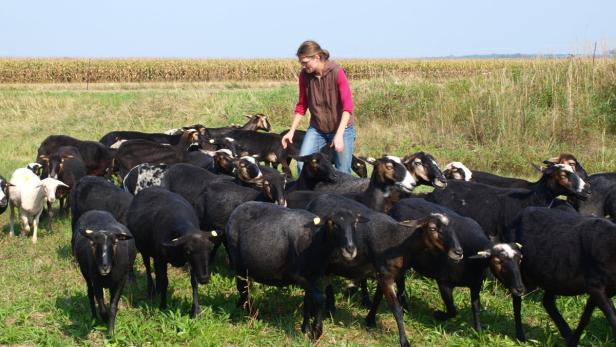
409,182
443,218
459,166
505,249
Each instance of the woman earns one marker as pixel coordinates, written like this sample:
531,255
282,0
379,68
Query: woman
324,90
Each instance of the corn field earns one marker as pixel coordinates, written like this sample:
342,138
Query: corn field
17,70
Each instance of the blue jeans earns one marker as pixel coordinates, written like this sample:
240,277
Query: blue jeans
315,140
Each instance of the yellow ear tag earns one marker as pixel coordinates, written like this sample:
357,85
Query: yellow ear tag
316,220
174,240
519,245
214,233
88,231
211,140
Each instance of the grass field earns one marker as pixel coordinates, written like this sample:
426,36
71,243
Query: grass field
499,120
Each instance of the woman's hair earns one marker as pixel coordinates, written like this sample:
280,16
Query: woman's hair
311,48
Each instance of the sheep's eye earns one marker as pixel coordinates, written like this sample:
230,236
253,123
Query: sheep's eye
417,163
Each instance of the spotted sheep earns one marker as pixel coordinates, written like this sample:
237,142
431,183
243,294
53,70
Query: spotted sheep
143,176
29,193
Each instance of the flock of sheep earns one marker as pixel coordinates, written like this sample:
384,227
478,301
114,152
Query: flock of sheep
185,192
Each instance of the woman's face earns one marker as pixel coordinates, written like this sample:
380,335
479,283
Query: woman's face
309,64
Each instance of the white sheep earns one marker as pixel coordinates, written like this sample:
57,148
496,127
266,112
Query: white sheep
29,193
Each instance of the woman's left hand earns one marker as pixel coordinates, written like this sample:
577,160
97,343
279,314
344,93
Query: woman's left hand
338,143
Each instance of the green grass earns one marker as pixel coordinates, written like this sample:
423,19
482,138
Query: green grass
493,122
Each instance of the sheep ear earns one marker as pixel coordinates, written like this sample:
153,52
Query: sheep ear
248,116
481,255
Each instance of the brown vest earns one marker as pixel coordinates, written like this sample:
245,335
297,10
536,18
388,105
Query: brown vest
323,98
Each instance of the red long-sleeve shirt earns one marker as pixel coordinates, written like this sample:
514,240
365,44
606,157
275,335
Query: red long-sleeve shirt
343,88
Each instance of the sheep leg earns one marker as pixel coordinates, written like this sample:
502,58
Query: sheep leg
115,293
35,223
588,309
402,293
315,300
12,219
447,296
91,299
25,223
160,269
330,299
376,301
517,317
549,303
148,272
100,300
388,287
606,305
476,305
195,294
365,295
306,313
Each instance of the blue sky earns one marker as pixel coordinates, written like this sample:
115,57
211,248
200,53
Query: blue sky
274,29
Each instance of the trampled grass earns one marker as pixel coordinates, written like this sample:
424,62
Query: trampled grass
499,120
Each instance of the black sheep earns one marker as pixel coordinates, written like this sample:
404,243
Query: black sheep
503,259
96,193
385,248
566,254
166,228
494,208
277,246
105,251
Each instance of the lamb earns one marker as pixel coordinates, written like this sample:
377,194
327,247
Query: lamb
29,193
